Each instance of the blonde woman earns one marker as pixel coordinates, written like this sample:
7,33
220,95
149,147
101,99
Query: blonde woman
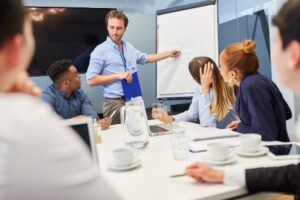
213,99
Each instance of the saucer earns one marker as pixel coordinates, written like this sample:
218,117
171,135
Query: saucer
112,166
263,150
229,160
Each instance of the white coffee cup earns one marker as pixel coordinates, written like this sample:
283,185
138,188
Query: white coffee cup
124,156
218,151
250,143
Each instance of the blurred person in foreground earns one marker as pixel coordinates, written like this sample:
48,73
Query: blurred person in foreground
40,157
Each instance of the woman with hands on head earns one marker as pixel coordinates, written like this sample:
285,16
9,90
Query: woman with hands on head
213,99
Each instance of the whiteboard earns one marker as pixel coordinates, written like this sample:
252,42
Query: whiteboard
194,32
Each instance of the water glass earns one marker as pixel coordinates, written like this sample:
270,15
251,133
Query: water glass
156,108
179,143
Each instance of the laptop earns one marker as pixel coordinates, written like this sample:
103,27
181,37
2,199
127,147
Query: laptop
84,128
160,129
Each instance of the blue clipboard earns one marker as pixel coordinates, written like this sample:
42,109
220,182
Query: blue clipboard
133,89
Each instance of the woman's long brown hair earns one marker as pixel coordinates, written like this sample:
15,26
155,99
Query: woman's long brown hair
224,96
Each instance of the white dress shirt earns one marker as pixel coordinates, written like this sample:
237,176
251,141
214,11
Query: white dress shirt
200,109
234,176
40,158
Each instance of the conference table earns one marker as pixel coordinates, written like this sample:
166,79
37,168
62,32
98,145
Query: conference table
151,180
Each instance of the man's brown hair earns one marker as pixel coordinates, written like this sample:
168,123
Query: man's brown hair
119,14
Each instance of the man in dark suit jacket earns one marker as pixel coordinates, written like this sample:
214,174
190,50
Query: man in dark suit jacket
287,59
279,179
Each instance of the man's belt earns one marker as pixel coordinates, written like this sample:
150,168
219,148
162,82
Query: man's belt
115,98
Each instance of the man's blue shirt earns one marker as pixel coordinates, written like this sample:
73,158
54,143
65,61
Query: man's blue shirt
68,107
107,59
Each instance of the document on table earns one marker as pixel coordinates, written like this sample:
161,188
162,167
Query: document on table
198,142
200,146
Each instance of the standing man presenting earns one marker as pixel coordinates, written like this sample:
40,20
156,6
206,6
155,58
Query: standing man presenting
115,60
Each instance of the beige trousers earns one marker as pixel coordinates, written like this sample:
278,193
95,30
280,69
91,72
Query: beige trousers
109,105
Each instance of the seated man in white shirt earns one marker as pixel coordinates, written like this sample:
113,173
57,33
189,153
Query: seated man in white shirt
287,59
65,96
40,157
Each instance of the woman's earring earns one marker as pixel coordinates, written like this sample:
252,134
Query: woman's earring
231,82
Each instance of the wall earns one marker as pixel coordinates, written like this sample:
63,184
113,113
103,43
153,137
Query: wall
133,6
246,27
123,4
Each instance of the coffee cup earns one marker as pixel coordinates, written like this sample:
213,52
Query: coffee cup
218,151
250,143
124,156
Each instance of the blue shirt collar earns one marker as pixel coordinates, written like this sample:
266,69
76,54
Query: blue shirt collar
61,93
112,43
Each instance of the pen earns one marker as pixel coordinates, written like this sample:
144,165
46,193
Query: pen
177,175
112,114
213,138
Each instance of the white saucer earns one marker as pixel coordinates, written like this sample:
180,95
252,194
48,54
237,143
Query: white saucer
263,150
230,160
112,166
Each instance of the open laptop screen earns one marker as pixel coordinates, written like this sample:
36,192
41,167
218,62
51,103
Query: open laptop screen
84,128
83,131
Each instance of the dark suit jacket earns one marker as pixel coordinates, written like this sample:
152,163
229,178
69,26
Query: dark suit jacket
279,179
262,109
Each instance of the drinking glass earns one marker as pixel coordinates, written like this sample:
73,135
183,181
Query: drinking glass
179,143
156,108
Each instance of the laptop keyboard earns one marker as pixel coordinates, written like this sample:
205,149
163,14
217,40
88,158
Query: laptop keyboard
157,130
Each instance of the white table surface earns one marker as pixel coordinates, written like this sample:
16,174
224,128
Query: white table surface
151,180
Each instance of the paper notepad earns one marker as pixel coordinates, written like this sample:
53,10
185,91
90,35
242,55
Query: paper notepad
133,89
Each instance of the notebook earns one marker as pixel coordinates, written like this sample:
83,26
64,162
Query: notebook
132,89
84,128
